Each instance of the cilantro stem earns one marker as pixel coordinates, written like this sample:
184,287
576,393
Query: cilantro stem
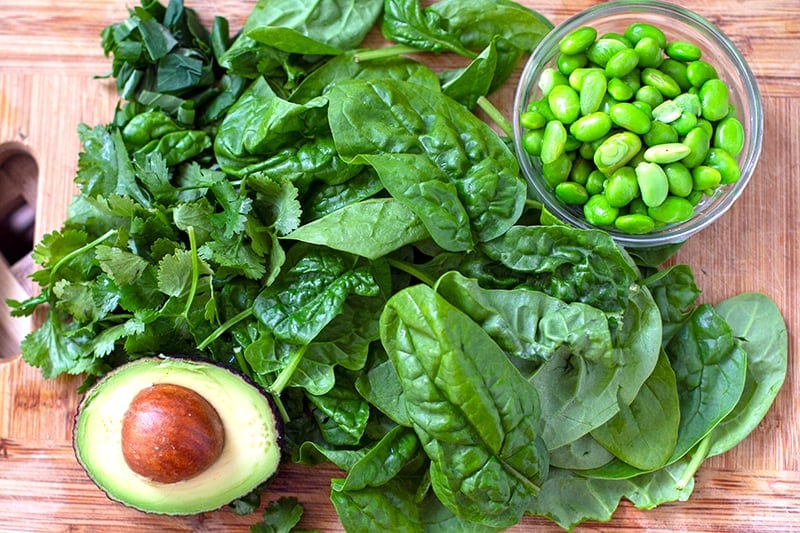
224,327
496,116
699,455
412,270
385,52
79,251
286,374
195,271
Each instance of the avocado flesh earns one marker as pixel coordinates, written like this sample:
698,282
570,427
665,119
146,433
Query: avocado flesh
251,454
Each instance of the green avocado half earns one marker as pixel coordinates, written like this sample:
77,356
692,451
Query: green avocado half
249,457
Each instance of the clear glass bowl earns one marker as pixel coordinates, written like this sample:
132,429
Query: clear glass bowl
678,24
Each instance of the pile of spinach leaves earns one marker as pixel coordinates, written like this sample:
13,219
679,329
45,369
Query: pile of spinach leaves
337,224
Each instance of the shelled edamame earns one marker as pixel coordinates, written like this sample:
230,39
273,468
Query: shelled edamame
633,129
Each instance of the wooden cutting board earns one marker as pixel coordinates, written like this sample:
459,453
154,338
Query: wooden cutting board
49,55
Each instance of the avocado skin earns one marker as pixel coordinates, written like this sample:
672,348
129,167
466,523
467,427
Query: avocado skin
157,360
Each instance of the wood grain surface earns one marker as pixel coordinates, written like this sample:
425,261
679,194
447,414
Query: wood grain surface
50,56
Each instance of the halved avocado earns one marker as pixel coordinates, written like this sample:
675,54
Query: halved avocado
248,451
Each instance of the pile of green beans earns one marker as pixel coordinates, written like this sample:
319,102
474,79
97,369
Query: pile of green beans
632,128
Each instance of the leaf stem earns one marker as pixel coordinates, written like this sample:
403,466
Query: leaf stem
412,270
699,455
496,116
79,251
224,327
385,52
286,374
195,271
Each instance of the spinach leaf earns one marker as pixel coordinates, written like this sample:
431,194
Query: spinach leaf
310,294
644,433
578,394
757,322
275,32
675,291
322,199
346,67
710,368
406,22
390,507
584,453
383,461
381,386
341,414
370,228
432,155
462,393
515,28
467,85
569,264
568,498
262,123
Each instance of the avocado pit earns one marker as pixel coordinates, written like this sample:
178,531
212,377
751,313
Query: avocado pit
171,433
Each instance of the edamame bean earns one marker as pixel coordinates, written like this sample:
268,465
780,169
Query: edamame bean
672,210
603,49
637,207
532,120
599,212
685,123
714,99
650,53
635,223
679,178
577,76
665,84
630,117
622,63
725,164
541,106
578,40
706,177
616,151
553,142
698,142
689,103
667,112
567,63
677,71
571,193
532,141
591,127
557,171
660,133
639,30
595,182
592,92
666,153
645,108
564,103
551,78
619,90
621,188
699,72
649,95
729,136
653,183
683,51
619,37
581,168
